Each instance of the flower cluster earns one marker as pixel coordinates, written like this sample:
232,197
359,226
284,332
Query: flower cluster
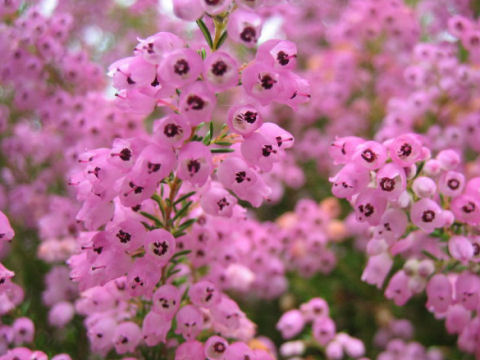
157,197
22,330
168,212
324,334
420,208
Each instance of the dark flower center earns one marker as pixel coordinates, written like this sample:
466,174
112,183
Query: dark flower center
453,184
369,156
387,184
160,248
124,236
267,81
125,154
219,347
193,166
267,150
248,34
222,203
241,176
172,130
195,102
153,167
469,207
283,58
181,67
428,216
367,209
405,150
219,68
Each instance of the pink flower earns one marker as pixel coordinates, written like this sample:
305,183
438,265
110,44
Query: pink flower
370,206
166,301
180,67
323,330
439,293
189,322
397,289
377,269
221,71
195,163
245,27
215,348
426,214
405,150
197,103
291,324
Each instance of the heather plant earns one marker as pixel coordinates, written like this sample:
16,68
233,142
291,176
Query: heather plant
239,179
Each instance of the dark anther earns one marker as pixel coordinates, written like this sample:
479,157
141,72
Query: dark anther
195,102
222,203
367,209
130,81
98,250
153,167
160,248
369,156
405,150
267,150
155,82
469,207
428,216
181,67
453,184
283,58
267,82
219,347
248,116
387,184
476,249
124,236
172,130
193,166
241,176
125,154
219,68
248,34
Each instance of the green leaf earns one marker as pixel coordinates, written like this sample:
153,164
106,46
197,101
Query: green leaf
429,255
208,136
221,151
184,197
172,271
181,280
185,225
205,32
222,39
223,143
463,53
180,253
185,294
147,226
152,217
420,168
158,200
182,212
177,234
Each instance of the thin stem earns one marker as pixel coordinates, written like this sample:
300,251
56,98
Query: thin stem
174,188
